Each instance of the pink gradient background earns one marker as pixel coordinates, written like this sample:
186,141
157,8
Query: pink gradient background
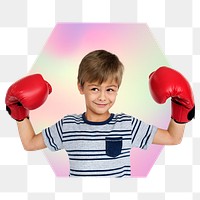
58,63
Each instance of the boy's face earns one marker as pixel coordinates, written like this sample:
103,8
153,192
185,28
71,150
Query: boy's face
99,98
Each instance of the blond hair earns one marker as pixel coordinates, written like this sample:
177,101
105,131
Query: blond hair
100,65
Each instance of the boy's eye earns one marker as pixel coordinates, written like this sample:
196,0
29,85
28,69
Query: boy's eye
95,89
110,90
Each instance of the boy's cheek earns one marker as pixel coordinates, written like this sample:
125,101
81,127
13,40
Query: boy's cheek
114,97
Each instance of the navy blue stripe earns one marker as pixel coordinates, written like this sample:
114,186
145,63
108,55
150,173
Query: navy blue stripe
59,130
73,118
82,155
88,139
109,174
93,159
136,130
68,117
73,122
120,118
119,121
122,115
124,175
132,121
100,170
110,123
111,131
79,120
95,150
145,136
80,117
147,139
50,139
84,135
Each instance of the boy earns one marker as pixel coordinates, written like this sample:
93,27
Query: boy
99,142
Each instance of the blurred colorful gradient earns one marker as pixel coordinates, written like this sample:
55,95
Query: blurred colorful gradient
58,62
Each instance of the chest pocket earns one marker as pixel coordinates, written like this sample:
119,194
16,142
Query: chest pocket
113,146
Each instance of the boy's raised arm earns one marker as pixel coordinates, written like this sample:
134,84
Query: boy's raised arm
165,83
172,136
29,139
27,94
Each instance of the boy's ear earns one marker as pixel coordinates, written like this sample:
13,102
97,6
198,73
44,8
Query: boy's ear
80,88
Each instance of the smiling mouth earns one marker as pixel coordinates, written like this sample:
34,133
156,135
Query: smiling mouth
101,104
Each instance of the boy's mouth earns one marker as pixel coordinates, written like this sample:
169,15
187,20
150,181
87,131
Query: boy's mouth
101,104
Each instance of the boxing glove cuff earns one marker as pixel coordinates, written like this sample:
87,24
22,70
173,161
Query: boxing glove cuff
180,113
18,113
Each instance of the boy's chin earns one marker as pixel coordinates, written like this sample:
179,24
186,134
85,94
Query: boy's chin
101,113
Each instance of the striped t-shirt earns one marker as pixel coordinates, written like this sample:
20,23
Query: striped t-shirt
99,148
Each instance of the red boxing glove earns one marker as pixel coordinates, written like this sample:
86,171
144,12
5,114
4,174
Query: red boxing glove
26,94
166,82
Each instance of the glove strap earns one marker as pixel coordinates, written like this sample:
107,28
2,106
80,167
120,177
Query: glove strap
19,113
182,114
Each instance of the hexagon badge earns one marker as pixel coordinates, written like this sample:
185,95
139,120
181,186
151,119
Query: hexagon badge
59,60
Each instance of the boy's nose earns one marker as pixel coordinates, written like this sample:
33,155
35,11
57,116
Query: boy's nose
102,96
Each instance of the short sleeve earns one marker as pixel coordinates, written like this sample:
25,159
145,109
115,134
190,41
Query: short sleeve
53,136
142,134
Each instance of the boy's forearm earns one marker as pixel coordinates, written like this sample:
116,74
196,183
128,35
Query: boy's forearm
26,133
29,139
176,131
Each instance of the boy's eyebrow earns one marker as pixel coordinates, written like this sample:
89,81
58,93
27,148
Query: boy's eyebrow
112,86
98,85
93,84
